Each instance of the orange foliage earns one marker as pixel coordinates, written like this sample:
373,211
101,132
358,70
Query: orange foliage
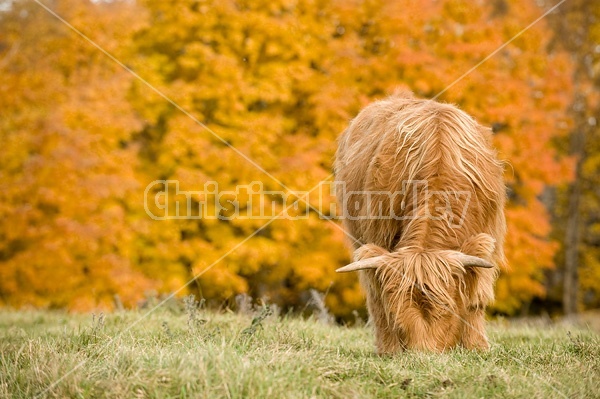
278,80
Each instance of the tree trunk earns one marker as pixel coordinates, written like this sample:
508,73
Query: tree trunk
572,236
195,287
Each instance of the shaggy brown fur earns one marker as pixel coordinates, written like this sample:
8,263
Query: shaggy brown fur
421,293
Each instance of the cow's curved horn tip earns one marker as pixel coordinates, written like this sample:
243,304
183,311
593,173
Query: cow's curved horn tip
474,261
356,266
349,268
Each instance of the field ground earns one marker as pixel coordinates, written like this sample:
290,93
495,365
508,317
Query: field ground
188,354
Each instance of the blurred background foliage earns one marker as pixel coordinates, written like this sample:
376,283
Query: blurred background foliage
81,138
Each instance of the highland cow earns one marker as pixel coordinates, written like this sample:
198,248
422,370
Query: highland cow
429,268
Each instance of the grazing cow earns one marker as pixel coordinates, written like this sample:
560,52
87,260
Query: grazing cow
423,198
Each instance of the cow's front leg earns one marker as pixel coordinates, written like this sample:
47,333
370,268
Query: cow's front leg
473,335
387,338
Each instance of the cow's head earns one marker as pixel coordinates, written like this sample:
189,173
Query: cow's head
423,292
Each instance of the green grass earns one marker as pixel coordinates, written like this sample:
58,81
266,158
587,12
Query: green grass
216,355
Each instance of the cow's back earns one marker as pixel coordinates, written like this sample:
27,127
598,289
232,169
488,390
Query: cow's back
413,147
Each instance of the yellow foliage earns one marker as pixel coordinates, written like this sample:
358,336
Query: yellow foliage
278,81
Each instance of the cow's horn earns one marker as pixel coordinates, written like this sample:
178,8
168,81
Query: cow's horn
369,263
473,261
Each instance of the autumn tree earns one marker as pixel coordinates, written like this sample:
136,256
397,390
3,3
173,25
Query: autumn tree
67,178
243,71
237,93
265,76
577,29
522,92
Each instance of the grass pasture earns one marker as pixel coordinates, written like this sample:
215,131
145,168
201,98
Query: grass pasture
174,353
